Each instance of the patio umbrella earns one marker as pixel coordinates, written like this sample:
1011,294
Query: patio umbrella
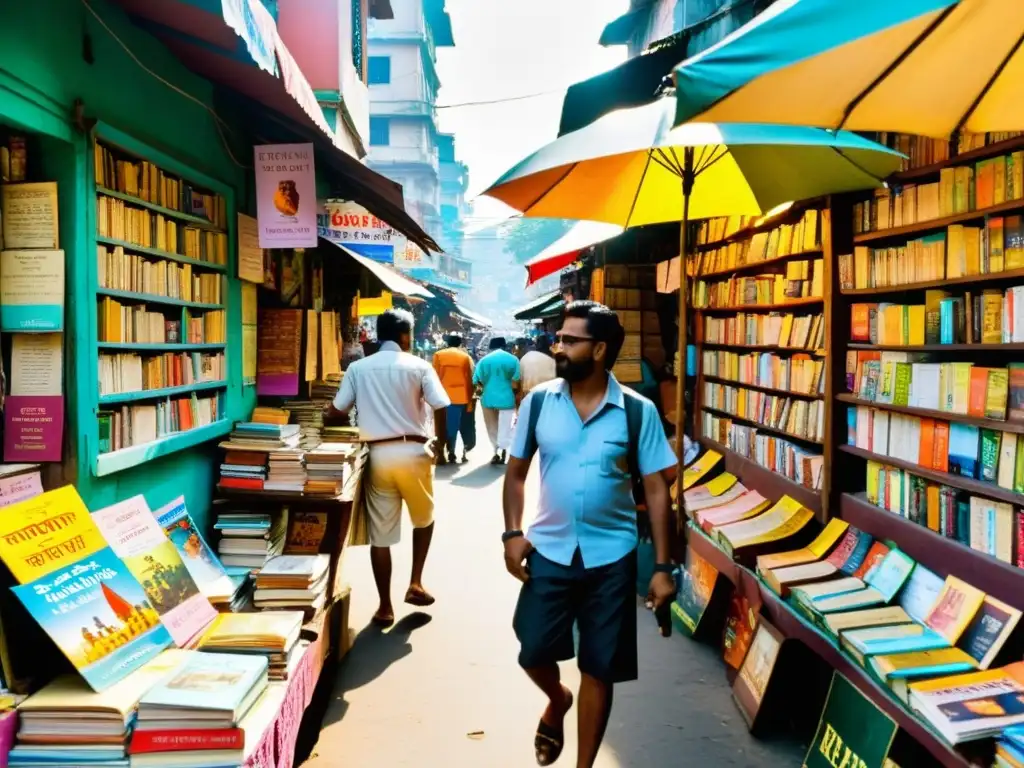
632,168
565,250
929,67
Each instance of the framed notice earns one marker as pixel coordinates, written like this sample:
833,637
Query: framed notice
852,730
278,354
286,206
250,254
31,290
30,215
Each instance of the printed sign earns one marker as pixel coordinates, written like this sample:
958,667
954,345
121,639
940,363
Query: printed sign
353,226
33,428
852,730
286,205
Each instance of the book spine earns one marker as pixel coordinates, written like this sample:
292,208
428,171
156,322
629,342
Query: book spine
178,740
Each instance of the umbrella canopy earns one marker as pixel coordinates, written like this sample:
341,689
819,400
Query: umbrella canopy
930,67
625,169
567,248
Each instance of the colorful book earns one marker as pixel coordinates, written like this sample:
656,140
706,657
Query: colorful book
954,609
139,540
699,468
98,615
201,561
939,661
989,630
841,624
47,532
745,506
904,638
921,592
786,518
212,682
971,706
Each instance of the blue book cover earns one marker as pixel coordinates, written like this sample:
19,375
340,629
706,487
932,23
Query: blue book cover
904,638
889,576
919,595
218,681
98,615
860,551
202,563
964,445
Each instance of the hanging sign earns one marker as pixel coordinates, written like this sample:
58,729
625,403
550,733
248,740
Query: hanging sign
351,225
286,204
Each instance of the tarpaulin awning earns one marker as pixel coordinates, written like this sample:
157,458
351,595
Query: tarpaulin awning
240,49
544,306
567,248
392,279
621,29
472,317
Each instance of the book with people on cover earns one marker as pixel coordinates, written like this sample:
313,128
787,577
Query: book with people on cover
201,561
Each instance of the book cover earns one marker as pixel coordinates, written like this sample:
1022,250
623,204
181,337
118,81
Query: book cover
938,661
865,564
889,576
823,589
697,584
954,608
31,289
209,681
786,518
699,468
868,597
748,505
46,532
989,630
137,538
704,500
902,638
186,740
756,670
306,532
98,615
964,449
202,563
972,705
842,623
816,550
740,623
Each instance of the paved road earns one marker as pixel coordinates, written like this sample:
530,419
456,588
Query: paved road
442,688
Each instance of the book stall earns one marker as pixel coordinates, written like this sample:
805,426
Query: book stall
854,518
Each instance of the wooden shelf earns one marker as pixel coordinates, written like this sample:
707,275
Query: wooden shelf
151,298
991,490
772,390
765,348
157,253
996,424
944,555
1016,347
964,158
196,221
931,225
126,346
154,394
284,497
767,481
809,301
133,456
758,265
989,277
762,427
706,548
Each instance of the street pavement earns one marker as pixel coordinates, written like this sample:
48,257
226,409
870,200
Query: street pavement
442,687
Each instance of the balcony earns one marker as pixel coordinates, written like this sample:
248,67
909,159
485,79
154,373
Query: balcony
392,155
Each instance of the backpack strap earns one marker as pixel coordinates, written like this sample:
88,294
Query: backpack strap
634,424
536,406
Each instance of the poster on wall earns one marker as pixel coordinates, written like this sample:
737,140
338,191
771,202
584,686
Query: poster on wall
250,255
33,428
278,348
286,206
32,290
351,225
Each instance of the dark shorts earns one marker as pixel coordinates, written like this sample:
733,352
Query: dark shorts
601,602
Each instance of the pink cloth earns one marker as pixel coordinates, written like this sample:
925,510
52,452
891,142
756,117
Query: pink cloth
8,727
276,748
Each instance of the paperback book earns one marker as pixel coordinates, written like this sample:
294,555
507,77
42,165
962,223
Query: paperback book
201,561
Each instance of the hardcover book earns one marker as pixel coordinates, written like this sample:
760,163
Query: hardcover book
743,507
98,615
971,706
751,684
215,682
697,585
785,519
713,489
139,540
920,593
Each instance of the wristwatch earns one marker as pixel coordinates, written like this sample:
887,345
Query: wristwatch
668,568
509,535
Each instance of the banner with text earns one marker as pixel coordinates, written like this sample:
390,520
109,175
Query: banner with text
286,206
351,225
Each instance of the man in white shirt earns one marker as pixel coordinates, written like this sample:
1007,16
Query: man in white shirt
394,393
537,365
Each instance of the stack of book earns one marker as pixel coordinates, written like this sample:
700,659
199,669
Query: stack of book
298,582
244,470
254,436
340,435
249,539
328,468
309,415
191,717
287,471
68,723
273,634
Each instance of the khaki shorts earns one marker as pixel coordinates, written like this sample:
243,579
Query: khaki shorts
398,472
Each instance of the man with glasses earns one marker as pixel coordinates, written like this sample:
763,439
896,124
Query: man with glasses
578,562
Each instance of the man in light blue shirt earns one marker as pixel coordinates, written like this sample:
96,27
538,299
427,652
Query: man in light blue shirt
578,563
498,377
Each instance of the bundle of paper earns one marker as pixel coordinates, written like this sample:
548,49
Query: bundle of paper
293,581
274,634
191,717
287,470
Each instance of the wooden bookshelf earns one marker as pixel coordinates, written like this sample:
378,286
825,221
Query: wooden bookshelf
781,306
757,266
927,172
1016,427
771,430
930,225
765,348
1017,347
768,390
988,277
145,199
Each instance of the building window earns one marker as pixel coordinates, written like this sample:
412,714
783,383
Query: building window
379,70
380,132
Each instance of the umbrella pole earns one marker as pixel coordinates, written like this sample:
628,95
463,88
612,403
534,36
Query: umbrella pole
687,182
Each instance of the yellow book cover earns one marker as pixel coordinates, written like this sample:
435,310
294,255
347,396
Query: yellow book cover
996,393
786,331
916,324
721,484
891,620
961,387
954,608
266,627
991,317
961,681
816,550
47,532
699,468
779,522
893,663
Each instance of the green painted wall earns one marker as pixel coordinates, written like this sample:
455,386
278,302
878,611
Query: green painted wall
43,70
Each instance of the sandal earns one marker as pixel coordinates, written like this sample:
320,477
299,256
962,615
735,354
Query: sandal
383,620
419,597
549,741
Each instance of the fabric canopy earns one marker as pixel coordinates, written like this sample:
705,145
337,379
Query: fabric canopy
540,307
472,317
392,279
619,31
240,49
567,249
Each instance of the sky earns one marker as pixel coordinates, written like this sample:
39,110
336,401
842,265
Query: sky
509,48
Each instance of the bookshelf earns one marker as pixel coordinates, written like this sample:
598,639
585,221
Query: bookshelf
161,279
761,315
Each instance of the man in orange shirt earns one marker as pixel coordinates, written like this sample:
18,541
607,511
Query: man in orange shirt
454,367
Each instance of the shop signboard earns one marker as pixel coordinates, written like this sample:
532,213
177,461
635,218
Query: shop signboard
354,227
286,205
852,730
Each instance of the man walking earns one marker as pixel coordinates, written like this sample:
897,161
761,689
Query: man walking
578,563
454,368
389,390
498,376
537,365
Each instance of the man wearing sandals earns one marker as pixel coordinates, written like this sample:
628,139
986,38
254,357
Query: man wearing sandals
578,563
391,391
